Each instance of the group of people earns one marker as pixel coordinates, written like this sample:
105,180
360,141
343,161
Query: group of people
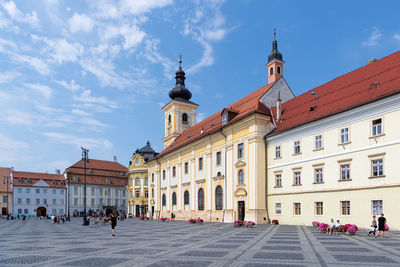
57,218
334,227
381,225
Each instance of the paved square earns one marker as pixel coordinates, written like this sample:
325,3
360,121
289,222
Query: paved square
154,243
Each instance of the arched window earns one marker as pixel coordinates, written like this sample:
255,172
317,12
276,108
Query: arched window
271,71
173,198
218,198
184,118
278,70
200,196
241,177
169,119
164,200
186,198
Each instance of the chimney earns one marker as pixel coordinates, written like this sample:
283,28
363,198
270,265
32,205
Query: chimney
278,106
372,60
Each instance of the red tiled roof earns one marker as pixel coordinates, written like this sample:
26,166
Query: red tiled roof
19,179
5,173
244,107
98,172
343,93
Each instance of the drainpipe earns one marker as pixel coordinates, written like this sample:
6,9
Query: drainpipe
225,186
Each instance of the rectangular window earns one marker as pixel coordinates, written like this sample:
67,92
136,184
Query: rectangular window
101,192
376,127
38,201
219,158
75,190
377,167
26,211
319,208
62,191
19,211
278,152
278,208
297,208
146,194
116,202
137,180
297,178
318,173
278,180
75,202
28,190
19,200
54,191
45,201
200,164
137,194
240,151
186,167
345,171
100,201
123,193
163,174
5,199
344,135
345,207
19,190
37,191
93,202
54,201
45,191
93,191
296,147
28,201
173,171
109,202
146,181
377,207
123,202
318,142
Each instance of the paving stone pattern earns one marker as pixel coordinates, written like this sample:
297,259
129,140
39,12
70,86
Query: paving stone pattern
154,243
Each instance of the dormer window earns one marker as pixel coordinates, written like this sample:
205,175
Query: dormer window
228,114
225,118
61,183
90,171
53,182
185,118
20,181
76,178
28,181
108,180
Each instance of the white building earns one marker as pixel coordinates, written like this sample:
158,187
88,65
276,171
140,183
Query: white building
38,194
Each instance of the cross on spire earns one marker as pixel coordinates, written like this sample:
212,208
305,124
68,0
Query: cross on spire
180,61
274,33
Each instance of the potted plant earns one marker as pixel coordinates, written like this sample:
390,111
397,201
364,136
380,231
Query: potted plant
322,227
192,221
250,224
238,223
352,229
315,223
199,220
164,219
345,227
275,221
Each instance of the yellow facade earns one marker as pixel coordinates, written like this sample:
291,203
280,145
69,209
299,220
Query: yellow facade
366,161
138,186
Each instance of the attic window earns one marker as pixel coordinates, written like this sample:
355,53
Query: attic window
53,182
374,85
202,131
90,171
122,173
61,183
28,181
313,108
19,180
108,180
225,118
76,178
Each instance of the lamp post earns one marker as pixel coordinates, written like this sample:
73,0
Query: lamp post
85,159
4,182
68,197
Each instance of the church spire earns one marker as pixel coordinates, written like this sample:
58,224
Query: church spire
275,54
180,92
275,62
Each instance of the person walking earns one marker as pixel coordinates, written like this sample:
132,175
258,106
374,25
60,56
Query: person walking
113,223
381,226
374,225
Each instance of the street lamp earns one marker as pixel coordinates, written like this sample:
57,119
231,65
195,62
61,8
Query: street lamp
68,198
85,159
4,182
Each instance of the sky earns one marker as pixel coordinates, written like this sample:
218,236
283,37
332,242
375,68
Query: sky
96,73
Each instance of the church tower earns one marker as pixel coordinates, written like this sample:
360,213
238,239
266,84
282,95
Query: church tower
275,62
180,113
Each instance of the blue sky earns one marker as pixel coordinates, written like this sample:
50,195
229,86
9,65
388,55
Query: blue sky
96,73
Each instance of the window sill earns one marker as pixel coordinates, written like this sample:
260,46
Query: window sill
318,149
277,158
297,185
374,177
343,144
296,154
318,182
277,186
344,180
376,136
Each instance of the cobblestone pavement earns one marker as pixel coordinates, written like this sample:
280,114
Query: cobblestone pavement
154,243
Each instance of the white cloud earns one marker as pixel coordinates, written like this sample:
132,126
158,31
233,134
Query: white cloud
45,90
7,77
70,139
373,38
80,112
153,55
396,36
34,62
86,97
110,9
19,117
80,23
10,143
200,116
19,16
131,34
71,85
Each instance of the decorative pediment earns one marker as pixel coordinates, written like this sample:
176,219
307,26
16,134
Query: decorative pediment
219,177
240,164
41,183
240,192
200,181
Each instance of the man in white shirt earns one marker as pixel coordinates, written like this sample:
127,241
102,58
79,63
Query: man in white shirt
337,226
330,228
